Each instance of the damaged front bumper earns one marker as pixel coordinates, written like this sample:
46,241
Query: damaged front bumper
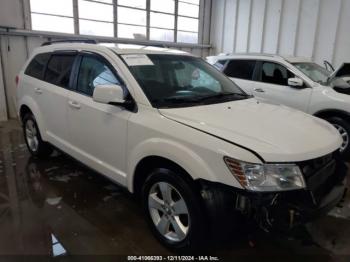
325,179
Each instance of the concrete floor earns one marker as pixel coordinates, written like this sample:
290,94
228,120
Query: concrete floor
58,206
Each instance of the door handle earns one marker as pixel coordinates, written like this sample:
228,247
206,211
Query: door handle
259,90
38,90
74,104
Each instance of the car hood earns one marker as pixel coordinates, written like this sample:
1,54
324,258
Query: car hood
276,133
343,70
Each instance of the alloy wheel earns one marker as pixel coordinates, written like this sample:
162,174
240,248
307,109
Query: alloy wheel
31,133
168,211
345,136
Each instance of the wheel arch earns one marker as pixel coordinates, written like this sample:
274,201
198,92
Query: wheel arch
24,109
145,165
324,114
28,105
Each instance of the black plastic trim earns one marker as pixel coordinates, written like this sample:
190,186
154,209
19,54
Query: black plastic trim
336,112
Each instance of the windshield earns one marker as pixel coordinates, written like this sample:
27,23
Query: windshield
314,71
180,81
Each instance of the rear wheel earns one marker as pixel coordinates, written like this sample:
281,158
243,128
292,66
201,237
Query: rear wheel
173,210
343,128
36,146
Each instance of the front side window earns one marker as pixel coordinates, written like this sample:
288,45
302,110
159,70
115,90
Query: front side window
275,74
178,81
242,69
94,72
37,65
59,70
314,71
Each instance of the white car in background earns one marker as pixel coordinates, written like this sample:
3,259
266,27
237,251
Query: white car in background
181,136
295,82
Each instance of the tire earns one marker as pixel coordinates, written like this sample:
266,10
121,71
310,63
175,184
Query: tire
181,224
36,146
344,130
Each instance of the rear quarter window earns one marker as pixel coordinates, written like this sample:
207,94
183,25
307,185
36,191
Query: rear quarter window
243,69
37,65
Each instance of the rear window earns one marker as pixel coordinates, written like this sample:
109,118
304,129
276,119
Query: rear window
59,69
37,65
242,69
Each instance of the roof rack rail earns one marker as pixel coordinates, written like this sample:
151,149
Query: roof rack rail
87,41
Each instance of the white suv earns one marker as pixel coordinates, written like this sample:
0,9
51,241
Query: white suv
295,82
180,135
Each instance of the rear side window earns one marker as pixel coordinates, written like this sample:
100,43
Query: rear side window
59,70
243,69
37,65
94,72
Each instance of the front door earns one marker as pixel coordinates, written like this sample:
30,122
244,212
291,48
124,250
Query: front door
272,85
98,132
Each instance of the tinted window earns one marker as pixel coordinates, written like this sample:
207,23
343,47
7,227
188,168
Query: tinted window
37,65
220,64
275,74
242,69
94,72
59,69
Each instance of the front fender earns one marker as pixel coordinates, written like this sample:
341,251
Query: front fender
190,161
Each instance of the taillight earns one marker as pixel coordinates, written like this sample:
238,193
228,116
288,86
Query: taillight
17,80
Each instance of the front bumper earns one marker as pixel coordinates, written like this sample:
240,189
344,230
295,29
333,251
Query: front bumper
282,210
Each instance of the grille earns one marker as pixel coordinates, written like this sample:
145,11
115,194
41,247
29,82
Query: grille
319,174
310,167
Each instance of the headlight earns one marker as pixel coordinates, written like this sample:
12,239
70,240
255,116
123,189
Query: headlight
266,177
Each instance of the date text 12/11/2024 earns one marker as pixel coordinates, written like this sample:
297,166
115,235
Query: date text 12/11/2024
173,258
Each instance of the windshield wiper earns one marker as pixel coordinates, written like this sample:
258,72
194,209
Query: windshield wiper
180,99
176,100
224,95
198,100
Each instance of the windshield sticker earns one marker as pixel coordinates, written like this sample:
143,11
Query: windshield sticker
137,60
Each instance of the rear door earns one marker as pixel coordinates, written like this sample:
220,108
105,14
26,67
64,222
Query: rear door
32,82
54,91
242,72
272,85
98,132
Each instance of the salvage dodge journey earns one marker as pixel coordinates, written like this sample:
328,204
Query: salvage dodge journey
190,144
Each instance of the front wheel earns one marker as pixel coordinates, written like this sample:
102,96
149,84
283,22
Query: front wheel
173,210
343,128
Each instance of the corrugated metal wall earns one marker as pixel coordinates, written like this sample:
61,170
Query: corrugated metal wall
312,28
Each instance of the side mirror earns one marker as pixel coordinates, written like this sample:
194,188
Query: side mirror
295,82
109,94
